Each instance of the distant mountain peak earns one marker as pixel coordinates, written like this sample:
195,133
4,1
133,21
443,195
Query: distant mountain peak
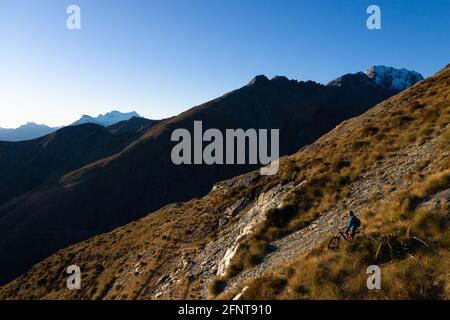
28,131
280,78
107,119
259,79
33,125
382,76
390,77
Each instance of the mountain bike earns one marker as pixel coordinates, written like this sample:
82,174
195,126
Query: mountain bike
336,240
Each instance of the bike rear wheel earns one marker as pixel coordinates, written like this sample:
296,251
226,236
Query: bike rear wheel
334,243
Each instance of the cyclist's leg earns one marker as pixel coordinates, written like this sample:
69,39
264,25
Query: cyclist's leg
347,228
353,231
348,234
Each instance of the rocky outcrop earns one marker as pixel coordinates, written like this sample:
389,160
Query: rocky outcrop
216,256
389,77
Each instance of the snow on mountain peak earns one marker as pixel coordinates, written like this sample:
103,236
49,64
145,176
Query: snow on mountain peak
107,119
389,77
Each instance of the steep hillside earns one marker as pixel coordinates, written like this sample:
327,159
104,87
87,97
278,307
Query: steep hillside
38,163
267,235
126,185
134,124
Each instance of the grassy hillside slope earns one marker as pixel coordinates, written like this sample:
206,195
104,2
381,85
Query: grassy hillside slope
390,165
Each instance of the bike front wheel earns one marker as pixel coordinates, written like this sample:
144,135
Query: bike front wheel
334,243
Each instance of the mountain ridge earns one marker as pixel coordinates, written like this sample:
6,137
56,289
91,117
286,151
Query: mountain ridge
364,162
380,75
32,130
107,119
398,79
28,131
140,177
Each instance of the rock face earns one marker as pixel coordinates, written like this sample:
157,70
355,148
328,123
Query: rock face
214,259
233,236
389,77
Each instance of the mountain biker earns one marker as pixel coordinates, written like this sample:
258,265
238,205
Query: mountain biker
353,224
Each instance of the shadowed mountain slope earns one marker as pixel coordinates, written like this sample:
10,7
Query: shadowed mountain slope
390,165
141,178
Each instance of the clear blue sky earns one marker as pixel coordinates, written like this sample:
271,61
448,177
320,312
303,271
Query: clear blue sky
160,57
